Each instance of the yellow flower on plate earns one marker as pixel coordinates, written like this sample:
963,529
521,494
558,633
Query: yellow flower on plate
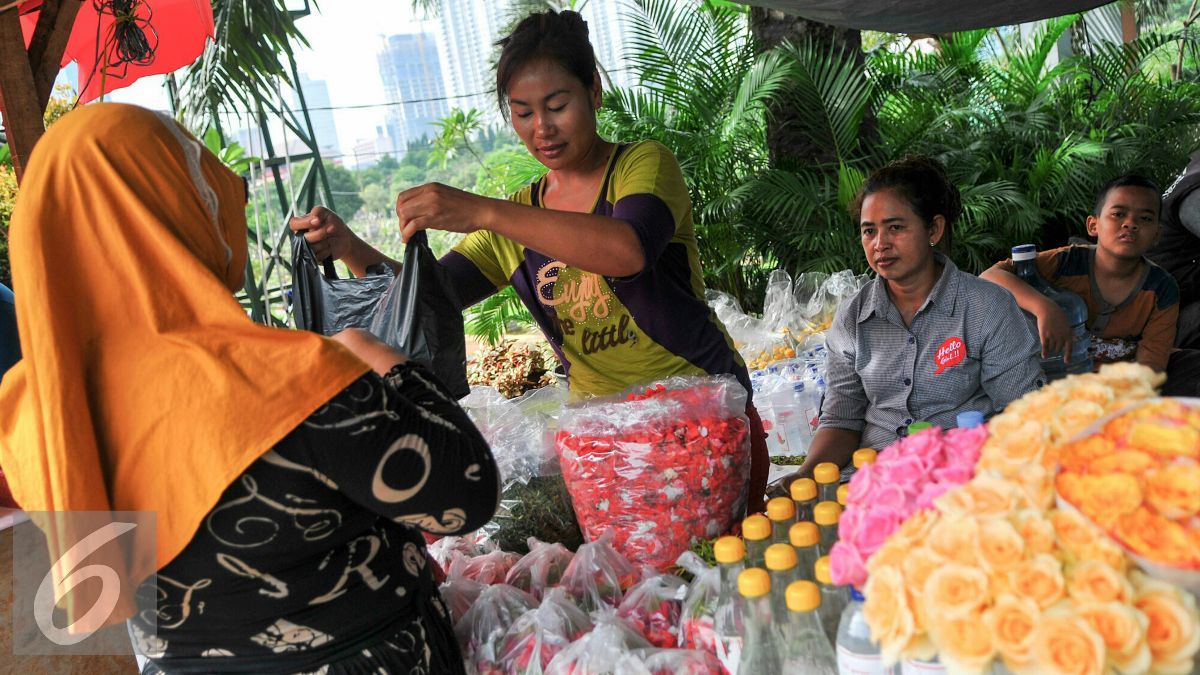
1074,532
1022,442
1035,488
1093,390
1174,630
888,613
1036,530
1133,462
1123,630
955,591
1105,550
1164,441
1012,621
1092,581
1151,535
962,646
1040,579
1174,491
1104,498
1077,457
956,538
1065,644
1000,545
1073,417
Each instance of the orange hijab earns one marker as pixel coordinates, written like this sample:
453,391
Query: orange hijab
143,385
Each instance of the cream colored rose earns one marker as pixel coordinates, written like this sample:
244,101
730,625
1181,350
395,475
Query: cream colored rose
1123,630
1065,644
1000,545
888,613
1174,631
1093,581
963,646
955,591
956,538
1040,579
1012,621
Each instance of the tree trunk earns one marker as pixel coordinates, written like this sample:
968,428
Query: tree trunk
771,28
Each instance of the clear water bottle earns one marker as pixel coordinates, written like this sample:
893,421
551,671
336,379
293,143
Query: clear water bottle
805,647
781,566
833,599
1025,262
827,515
799,431
760,638
856,653
727,617
805,537
756,531
804,495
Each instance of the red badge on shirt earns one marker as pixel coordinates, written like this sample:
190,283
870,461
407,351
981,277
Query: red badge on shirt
951,353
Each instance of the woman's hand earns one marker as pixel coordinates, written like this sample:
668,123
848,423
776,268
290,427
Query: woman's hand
1053,330
371,349
327,234
434,206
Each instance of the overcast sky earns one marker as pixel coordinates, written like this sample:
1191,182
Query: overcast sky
345,38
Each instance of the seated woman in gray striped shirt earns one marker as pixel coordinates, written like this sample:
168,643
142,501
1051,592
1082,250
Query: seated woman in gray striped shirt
923,340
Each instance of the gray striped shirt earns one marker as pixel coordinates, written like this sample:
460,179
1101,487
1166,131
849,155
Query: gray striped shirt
969,348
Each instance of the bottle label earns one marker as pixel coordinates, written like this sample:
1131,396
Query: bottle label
910,667
729,653
853,663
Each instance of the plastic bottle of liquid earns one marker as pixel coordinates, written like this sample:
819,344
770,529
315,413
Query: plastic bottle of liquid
856,653
756,531
833,598
969,419
842,494
800,427
805,647
827,476
864,456
827,515
783,408
781,565
919,426
804,494
781,511
1025,263
727,618
806,538
760,641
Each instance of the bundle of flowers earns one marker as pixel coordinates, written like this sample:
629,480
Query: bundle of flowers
907,477
1139,479
658,468
989,575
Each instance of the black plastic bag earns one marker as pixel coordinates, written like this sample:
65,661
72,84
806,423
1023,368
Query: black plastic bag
420,315
325,304
417,313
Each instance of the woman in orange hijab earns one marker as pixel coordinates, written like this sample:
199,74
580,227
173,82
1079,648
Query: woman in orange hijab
289,474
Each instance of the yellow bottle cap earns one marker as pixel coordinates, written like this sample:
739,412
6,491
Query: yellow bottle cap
826,473
803,489
756,527
729,550
781,508
864,456
843,492
827,513
821,570
803,596
754,582
780,557
804,533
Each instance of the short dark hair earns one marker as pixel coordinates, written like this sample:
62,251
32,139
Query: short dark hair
1126,180
922,182
558,37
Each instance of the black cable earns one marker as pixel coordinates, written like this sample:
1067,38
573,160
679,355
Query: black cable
130,39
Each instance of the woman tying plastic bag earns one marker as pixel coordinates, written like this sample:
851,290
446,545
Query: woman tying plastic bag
601,250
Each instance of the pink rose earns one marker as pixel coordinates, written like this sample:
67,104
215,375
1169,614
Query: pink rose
846,565
926,445
862,485
890,496
954,474
932,491
905,471
963,446
850,522
876,526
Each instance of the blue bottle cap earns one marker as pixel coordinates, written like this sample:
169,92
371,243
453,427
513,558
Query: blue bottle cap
969,419
798,387
856,595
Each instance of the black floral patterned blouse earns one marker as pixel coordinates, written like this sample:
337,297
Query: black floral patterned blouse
313,561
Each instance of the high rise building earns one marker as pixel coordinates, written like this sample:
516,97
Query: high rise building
316,96
412,76
609,27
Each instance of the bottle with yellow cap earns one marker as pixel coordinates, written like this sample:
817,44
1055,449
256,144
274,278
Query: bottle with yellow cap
842,493
805,647
827,515
804,495
781,511
727,617
782,566
833,599
827,475
806,538
863,457
756,530
760,639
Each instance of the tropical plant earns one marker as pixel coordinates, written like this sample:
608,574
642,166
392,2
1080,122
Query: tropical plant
232,155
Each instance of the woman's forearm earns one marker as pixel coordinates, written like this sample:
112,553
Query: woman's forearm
589,242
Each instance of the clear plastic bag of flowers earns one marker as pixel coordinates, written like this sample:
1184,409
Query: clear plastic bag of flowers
697,616
481,630
597,653
540,569
470,545
659,466
533,497
540,634
460,595
598,575
669,662
487,569
654,607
